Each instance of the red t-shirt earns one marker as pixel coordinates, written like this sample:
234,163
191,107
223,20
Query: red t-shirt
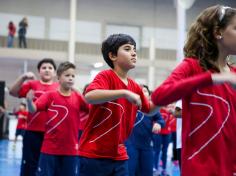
173,123
61,135
109,124
21,122
83,119
168,117
12,30
36,121
209,111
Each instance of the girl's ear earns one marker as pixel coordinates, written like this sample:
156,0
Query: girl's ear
112,56
218,34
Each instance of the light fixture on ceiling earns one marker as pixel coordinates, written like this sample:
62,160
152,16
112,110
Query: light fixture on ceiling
97,64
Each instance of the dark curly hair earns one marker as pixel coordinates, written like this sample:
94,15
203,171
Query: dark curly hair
201,43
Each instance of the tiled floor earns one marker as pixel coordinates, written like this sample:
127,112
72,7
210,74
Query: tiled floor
10,160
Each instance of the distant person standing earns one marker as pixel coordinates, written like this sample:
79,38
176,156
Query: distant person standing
178,115
11,34
22,32
21,115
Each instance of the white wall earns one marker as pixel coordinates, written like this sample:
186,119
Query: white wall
97,18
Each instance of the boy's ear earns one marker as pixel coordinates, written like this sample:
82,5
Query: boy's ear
112,56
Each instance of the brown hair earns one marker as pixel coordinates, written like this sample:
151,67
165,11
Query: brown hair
64,66
201,43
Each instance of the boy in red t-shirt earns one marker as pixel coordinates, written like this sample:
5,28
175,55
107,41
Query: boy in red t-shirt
21,114
34,133
59,153
161,140
115,99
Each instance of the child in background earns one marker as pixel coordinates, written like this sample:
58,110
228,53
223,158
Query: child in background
139,148
205,81
34,133
114,99
21,114
59,153
83,116
178,115
162,139
173,124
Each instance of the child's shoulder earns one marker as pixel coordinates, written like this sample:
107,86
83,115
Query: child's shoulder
33,82
106,72
52,93
191,60
133,82
233,68
75,93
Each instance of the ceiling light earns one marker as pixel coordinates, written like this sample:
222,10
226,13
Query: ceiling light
98,65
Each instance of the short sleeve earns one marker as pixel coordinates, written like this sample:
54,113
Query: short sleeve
83,104
43,102
25,88
101,81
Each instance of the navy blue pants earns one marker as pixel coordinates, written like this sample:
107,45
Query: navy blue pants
103,167
32,143
58,165
19,132
161,143
140,161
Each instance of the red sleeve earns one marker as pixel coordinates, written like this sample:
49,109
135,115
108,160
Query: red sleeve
25,88
84,106
16,113
182,82
43,102
101,81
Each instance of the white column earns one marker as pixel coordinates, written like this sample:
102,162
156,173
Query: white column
71,45
181,26
151,68
25,68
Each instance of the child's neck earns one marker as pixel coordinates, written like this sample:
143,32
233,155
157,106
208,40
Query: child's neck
123,75
222,64
46,82
65,92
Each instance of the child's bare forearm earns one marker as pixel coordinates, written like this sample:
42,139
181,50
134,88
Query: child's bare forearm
14,89
102,96
31,106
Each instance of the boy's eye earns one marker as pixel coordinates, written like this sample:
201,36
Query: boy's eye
44,68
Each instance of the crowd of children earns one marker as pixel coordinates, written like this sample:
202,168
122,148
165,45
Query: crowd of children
125,130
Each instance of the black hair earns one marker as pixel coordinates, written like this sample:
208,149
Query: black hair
46,60
112,44
145,86
64,66
23,104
